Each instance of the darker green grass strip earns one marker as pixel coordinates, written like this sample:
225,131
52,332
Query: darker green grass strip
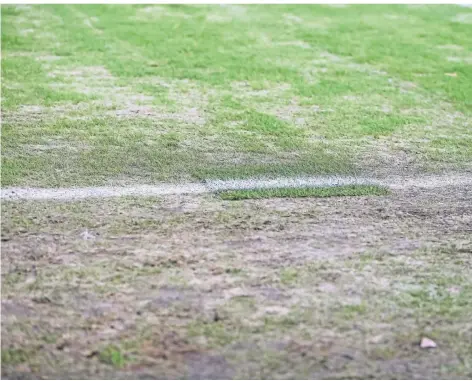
339,191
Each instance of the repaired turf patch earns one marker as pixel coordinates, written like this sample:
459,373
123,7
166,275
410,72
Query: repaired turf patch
348,190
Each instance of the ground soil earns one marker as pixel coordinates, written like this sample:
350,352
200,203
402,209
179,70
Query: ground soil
190,286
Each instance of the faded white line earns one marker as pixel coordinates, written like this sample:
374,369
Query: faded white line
393,182
430,182
99,192
398,182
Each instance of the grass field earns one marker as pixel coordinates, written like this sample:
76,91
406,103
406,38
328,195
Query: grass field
358,190
286,282
103,95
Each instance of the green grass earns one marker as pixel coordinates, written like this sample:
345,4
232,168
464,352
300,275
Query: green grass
91,94
13,356
112,355
337,191
288,276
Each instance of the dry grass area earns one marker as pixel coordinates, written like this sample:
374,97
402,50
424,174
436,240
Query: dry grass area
198,287
194,286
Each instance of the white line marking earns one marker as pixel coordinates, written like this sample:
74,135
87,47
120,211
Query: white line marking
464,180
99,192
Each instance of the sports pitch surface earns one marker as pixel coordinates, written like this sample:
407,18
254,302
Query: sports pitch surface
165,182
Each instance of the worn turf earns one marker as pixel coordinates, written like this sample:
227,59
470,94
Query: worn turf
104,106
201,288
98,95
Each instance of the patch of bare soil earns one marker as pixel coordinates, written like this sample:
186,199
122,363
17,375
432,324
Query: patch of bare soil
200,288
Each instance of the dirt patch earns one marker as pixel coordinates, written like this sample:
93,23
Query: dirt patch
208,367
194,287
14,311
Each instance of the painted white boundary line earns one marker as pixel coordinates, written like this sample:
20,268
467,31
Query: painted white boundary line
99,192
393,182
464,180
